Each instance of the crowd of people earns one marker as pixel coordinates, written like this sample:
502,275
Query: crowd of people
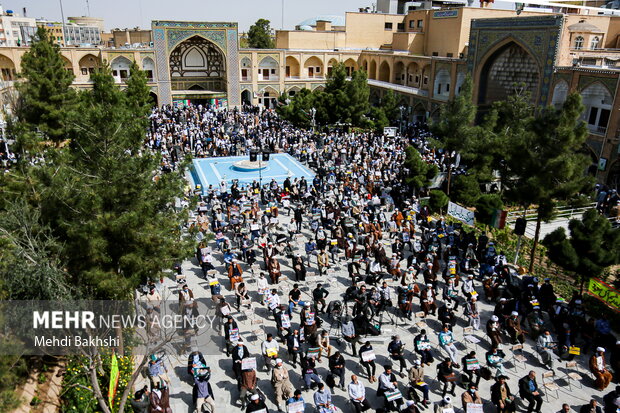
358,214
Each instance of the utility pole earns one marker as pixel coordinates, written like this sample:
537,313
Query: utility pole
282,25
62,15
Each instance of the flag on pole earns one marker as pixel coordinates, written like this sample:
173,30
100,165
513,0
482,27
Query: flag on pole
114,374
498,219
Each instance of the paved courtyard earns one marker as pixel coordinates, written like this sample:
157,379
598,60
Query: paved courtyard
256,323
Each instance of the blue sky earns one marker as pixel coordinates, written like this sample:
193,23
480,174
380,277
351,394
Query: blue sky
131,13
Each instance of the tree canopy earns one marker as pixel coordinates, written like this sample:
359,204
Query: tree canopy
593,245
259,35
46,99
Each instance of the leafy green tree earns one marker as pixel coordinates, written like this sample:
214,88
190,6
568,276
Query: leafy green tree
486,204
454,128
465,190
543,163
593,245
438,200
259,35
389,105
358,93
47,100
297,109
419,173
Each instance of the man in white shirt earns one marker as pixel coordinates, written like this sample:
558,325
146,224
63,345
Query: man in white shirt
270,348
357,394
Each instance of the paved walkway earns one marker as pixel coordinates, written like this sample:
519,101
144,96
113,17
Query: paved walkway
224,385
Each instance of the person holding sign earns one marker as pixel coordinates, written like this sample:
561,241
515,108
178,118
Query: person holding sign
281,383
247,385
387,385
256,405
238,354
416,382
323,400
422,346
270,348
357,394
296,404
367,360
472,402
471,368
447,375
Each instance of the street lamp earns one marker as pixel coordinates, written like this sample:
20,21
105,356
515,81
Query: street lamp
402,111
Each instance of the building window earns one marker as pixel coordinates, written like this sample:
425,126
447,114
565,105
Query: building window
388,26
449,55
578,42
412,24
400,26
426,80
594,42
435,53
420,24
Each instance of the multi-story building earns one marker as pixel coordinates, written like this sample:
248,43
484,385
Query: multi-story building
77,31
77,34
15,30
54,29
423,56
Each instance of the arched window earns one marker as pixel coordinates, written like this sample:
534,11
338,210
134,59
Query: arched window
578,42
594,42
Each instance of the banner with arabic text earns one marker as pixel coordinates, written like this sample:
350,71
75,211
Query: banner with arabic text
605,293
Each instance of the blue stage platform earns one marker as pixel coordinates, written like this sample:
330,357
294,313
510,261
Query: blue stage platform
212,171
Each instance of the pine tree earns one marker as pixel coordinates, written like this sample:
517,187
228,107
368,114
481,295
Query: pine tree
593,245
106,202
259,35
47,99
418,173
544,163
358,93
455,126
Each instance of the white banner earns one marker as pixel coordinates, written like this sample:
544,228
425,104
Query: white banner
462,214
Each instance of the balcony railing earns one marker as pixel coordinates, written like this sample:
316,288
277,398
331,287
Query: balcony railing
599,130
206,84
398,88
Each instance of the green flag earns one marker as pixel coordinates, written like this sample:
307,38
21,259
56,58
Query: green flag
114,374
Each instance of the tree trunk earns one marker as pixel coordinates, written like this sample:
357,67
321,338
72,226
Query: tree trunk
536,236
121,347
94,381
